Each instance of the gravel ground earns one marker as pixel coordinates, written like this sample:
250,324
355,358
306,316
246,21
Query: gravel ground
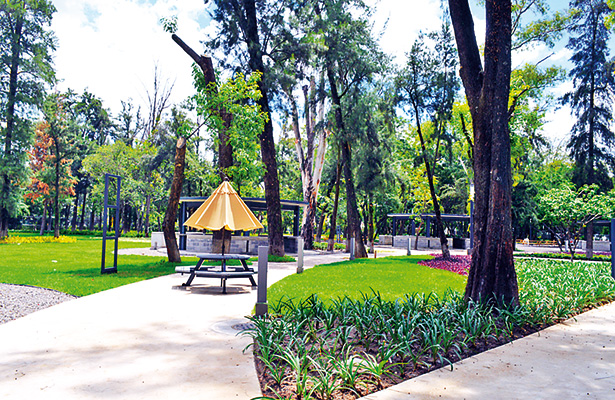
18,300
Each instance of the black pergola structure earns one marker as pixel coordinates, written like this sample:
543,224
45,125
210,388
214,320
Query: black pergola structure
189,204
428,218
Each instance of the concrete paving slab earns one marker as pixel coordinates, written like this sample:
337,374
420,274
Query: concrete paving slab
572,360
153,339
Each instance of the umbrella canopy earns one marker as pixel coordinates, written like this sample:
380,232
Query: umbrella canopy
224,209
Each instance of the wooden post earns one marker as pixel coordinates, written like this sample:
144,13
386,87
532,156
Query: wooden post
409,245
261,294
352,248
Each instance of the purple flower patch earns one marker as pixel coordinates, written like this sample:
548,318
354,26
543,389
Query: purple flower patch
457,264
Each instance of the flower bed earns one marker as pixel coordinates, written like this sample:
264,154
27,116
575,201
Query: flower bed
457,264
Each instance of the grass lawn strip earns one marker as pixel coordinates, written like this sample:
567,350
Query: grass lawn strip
74,268
349,346
392,277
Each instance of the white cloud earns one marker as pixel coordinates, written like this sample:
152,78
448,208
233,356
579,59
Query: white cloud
111,47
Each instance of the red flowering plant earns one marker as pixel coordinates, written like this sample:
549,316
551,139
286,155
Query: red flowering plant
457,264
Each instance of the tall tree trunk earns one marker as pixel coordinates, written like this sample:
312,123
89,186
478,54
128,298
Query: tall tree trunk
56,198
370,223
492,276
148,206
268,152
354,225
168,224
81,221
333,223
10,122
73,224
589,242
92,215
44,220
432,190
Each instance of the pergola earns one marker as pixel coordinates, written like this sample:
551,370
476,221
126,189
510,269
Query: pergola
255,204
428,219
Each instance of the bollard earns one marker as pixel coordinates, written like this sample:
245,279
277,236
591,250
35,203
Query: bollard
352,248
261,294
409,246
299,255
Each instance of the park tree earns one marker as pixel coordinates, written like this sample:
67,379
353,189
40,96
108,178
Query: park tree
42,187
492,277
352,60
247,33
62,132
592,139
566,212
25,67
428,85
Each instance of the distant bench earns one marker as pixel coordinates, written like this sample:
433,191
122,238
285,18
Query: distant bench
208,271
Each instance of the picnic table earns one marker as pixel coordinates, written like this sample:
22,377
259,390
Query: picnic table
223,273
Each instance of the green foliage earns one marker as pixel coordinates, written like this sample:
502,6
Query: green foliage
25,44
567,211
595,257
338,342
323,246
237,97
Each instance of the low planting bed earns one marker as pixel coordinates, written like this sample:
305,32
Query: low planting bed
342,347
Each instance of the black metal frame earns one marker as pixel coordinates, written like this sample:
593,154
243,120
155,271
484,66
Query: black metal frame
103,269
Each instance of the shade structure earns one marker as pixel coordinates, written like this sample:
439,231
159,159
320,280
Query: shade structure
224,209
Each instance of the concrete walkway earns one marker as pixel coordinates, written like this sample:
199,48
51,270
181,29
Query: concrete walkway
157,340
152,339
572,360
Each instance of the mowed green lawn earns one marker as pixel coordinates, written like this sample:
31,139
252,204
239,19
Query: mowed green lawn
392,277
75,267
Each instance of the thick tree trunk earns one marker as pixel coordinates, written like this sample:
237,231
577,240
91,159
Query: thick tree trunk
492,276
168,224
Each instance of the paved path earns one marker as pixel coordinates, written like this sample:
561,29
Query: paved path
157,340
572,360
148,340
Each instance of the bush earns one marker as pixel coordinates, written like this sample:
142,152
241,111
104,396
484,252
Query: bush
323,246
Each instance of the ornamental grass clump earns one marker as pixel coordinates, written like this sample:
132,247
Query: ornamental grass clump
349,347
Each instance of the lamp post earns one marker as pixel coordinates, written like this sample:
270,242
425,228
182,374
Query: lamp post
471,218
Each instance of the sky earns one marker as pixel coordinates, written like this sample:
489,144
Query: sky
112,47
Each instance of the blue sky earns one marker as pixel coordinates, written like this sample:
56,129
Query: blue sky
112,46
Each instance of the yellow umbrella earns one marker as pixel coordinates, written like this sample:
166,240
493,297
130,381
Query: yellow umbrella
224,209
